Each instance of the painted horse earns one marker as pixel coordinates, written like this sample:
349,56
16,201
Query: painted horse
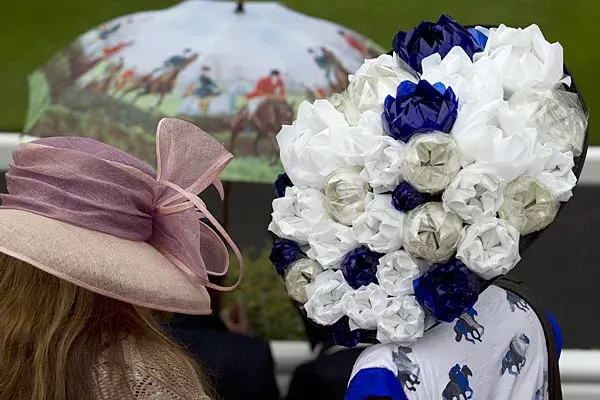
270,116
103,84
340,73
161,85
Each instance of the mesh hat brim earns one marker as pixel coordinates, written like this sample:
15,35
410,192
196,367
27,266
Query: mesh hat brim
125,270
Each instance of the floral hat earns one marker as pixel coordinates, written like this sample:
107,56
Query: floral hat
426,179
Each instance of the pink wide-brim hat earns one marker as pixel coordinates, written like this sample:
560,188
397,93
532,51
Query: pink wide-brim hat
101,219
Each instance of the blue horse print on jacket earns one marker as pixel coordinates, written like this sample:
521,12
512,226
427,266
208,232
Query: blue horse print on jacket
515,358
466,327
458,388
408,371
515,302
540,394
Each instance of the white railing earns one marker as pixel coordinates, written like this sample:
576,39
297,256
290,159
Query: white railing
591,170
580,373
9,141
580,369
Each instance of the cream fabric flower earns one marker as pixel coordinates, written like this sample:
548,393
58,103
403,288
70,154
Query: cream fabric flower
371,84
431,233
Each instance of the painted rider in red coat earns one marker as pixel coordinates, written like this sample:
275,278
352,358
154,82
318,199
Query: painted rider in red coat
355,43
269,86
110,51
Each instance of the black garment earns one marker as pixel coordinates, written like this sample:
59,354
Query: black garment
240,367
324,378
314,333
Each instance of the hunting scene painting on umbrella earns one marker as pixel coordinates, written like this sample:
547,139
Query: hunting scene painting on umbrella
238,76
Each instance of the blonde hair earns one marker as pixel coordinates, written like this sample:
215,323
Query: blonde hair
53,333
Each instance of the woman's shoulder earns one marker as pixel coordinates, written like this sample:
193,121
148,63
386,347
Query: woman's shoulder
152,374
156,375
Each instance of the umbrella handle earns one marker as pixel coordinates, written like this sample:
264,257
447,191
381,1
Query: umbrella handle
226,207
215,295
240,7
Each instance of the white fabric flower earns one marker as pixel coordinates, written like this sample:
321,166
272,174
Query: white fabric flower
496,137
364,306
383,167
403,322
470,81
396,272
320,141
557,174
522,56
354,145
370,122
380,227
474,194
489,248
324,305
296,214
330,242
371,84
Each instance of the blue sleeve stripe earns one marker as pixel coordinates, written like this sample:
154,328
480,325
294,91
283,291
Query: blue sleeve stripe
557,333
374,382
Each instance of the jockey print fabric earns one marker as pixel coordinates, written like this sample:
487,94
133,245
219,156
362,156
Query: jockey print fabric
238,76
495,351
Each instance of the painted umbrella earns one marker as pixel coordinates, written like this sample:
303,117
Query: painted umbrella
238,75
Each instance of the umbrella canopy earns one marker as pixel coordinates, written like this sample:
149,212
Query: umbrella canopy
239,76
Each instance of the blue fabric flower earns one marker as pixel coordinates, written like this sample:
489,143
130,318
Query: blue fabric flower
342,335
283,253
479,37
429,38
359,267
448,290
405,197
440,87
281,183
419,108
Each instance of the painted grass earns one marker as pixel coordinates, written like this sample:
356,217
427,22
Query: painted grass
241,167
39,98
